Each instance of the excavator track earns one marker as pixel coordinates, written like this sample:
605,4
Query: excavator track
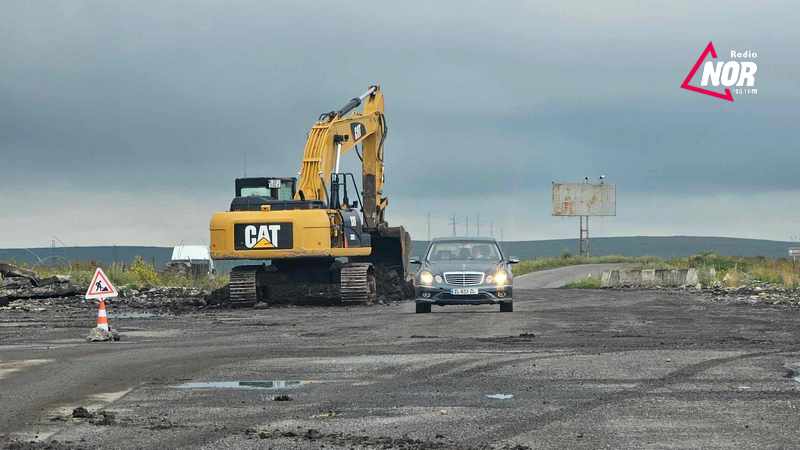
358,283
244,285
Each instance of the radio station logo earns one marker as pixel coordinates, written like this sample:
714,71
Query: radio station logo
723,78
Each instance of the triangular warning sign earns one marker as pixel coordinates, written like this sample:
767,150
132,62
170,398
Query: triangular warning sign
100,287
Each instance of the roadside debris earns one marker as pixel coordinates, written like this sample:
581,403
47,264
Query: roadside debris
755,293
752,291
104,418
282,398
354,441
81,413
99,335
391,286
18,283
101,417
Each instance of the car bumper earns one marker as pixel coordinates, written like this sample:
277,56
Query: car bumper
487,295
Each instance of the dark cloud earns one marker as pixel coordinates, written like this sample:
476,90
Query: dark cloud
498,99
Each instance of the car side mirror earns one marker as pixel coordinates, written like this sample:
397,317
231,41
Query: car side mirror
414,260
513,260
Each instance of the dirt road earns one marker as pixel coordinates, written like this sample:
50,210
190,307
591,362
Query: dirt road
584,369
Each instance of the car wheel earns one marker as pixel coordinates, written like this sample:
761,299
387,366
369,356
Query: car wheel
423,308
507,307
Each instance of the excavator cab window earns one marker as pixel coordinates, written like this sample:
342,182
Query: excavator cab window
271,188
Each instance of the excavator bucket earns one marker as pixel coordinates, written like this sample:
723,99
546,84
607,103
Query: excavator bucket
390,249
390,254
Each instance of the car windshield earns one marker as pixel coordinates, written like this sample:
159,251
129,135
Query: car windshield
464,251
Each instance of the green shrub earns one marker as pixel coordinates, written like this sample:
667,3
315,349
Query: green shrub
145,273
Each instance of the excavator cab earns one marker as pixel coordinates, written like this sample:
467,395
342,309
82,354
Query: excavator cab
274,194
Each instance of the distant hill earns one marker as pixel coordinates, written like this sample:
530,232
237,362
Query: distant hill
665,247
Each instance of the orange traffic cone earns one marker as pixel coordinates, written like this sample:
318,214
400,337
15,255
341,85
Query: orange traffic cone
102,316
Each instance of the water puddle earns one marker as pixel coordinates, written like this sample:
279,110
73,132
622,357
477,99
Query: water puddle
793,372
256,384
500,396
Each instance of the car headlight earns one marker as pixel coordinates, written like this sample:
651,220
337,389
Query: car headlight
426,278
500,277
490,279
438,278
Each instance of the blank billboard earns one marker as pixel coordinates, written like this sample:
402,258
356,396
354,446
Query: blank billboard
584,199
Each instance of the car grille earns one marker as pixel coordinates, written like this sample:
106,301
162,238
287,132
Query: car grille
463,278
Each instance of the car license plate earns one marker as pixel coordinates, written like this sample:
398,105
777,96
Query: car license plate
464,291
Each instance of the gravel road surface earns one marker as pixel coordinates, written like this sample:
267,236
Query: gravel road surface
567,369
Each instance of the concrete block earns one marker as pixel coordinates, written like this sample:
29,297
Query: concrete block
650,278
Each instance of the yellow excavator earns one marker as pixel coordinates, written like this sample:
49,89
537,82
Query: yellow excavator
324,239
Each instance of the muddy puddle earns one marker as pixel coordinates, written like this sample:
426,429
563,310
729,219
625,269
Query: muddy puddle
255,384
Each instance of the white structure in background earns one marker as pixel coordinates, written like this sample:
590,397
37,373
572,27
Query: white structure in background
195,258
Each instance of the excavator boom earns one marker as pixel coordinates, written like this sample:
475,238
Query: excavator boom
336,134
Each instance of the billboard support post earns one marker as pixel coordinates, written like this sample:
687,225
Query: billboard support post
583,241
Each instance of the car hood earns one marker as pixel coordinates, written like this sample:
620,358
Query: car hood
462,266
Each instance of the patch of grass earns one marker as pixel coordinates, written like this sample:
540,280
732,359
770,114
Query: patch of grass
728,271
139,274
533,265
584,283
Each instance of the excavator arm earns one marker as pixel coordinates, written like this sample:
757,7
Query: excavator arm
337,133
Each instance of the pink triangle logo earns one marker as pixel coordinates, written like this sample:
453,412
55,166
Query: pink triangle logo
685,85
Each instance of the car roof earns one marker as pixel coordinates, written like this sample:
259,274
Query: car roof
464,238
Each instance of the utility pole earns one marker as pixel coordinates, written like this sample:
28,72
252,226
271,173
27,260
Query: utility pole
467,233
429,226
453,223
478,224
244,164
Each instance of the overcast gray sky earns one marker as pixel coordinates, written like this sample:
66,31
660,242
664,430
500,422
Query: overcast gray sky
126,122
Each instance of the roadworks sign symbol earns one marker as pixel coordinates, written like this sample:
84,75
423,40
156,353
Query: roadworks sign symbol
100,287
